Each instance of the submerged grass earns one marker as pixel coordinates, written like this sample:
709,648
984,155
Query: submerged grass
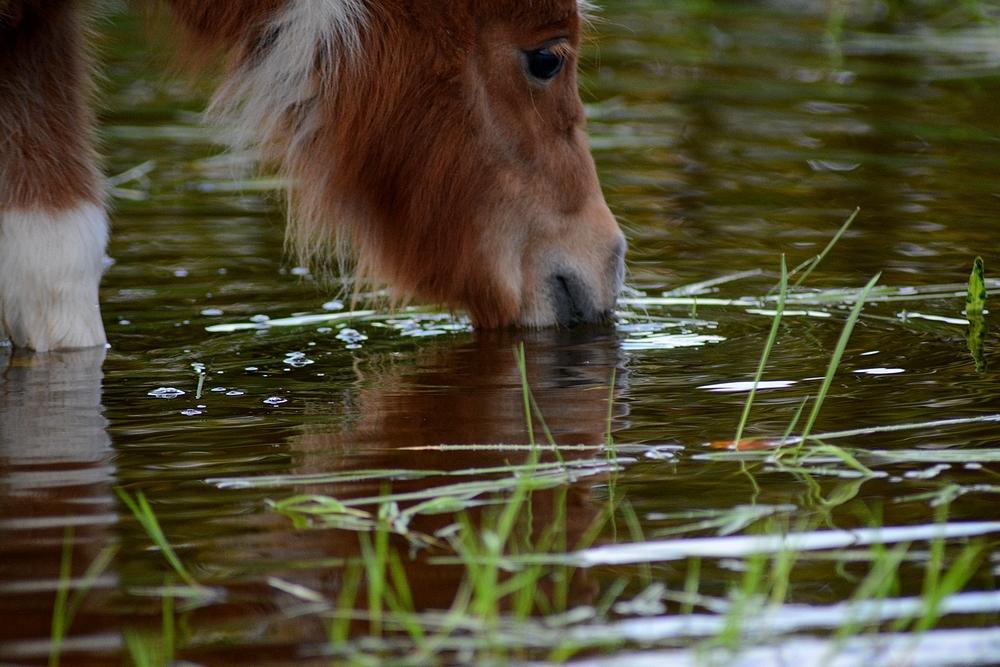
143,513
60,620
67,605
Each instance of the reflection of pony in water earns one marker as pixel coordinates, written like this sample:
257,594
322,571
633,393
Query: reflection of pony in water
442,141
469,395
58,461
55,467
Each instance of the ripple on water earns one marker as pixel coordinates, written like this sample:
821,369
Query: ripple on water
880,371
737,387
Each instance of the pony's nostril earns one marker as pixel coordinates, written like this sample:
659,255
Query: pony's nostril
571,301
566,303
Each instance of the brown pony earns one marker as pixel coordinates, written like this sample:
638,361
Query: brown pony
442,143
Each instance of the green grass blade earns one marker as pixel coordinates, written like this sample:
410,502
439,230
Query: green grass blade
954,580
168,630
66,605
975,307
60,622
340,626
829,246
838,354
147,519
609,435
772,336
142,650
975,299
522,369
97,567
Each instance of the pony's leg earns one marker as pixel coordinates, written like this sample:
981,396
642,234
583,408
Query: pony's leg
53,227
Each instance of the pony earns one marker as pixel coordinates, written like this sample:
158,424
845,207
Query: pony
441,145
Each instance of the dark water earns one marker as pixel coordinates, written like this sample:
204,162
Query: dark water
726,134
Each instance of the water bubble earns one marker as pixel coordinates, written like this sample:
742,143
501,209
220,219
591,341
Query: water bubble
333,305
275,400
351,336
259,319
250,368
297,359
166,392
217,390
211,312
191,412
235,392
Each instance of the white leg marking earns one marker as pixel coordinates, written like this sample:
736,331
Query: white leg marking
50,267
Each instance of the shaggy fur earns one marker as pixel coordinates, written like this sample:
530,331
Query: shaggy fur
411,132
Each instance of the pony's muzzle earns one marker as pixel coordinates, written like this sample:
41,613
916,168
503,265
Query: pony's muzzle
577,301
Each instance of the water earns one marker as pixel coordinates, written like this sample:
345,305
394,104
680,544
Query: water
726,134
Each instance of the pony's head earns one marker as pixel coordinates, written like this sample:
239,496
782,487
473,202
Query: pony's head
445,142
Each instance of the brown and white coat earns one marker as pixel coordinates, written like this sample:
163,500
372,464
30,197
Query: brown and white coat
439,144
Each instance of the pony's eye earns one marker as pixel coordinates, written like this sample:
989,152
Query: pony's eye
543,63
